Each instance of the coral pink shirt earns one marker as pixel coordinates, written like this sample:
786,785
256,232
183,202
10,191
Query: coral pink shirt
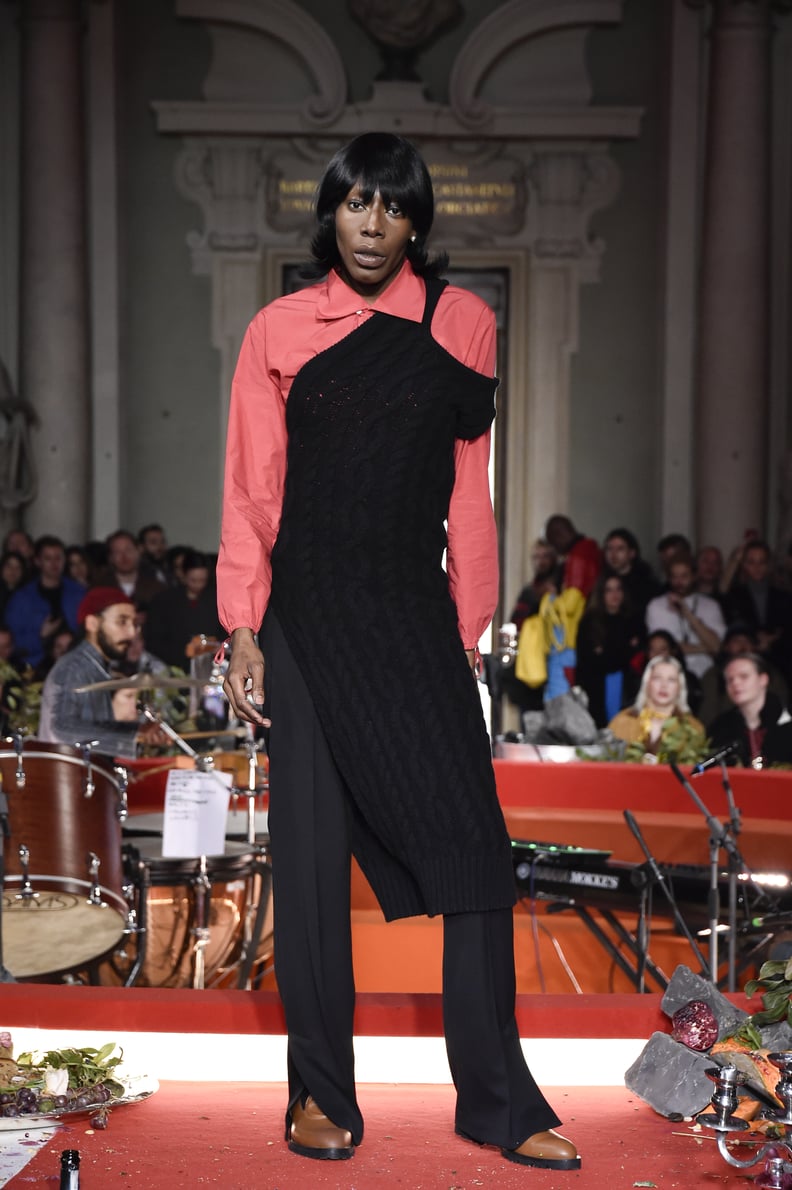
280,339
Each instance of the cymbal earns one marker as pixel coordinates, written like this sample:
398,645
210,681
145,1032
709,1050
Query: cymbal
143,681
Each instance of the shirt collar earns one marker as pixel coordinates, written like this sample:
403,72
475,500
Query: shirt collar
404,298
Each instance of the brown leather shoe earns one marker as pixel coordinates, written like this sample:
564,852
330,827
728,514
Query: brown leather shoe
545,1150
312,1134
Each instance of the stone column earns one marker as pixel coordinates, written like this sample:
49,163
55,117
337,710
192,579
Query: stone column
54,303
732,427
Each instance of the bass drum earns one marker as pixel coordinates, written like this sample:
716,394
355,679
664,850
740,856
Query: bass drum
63,902
195,929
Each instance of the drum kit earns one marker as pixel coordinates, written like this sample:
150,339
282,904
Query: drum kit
88,895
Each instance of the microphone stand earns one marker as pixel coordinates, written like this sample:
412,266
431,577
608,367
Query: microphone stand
735,826
720,837
667,893
643,878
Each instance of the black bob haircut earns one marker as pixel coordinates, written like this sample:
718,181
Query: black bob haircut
390,164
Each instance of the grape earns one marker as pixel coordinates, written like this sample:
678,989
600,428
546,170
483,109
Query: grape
10,1109
26,1099
99,1121
61,1101
7,1097
82,1101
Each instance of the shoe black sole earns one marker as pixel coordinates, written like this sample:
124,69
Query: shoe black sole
322,1154
540,1162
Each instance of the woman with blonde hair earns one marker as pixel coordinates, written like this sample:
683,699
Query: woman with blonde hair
660,720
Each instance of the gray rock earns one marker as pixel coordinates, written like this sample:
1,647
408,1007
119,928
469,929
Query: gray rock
777,1037
685,986
670,1077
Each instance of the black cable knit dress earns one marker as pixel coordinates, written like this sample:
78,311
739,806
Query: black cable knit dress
359,590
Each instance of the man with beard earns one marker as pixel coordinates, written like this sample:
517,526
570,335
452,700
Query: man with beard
107,617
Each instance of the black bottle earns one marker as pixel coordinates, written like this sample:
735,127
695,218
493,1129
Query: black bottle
70,1170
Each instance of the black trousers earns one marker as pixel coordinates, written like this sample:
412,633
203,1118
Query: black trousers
498,1101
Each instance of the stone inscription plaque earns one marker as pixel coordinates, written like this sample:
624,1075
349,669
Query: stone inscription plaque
487,196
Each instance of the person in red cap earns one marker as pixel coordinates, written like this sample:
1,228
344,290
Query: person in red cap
107,618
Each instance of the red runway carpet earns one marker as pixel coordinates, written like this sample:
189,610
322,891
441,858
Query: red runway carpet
229,1135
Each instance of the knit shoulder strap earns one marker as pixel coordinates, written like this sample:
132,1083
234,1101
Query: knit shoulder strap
434,288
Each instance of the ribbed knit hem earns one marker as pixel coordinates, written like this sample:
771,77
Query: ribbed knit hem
449,884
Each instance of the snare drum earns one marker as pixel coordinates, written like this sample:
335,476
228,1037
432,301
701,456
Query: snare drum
179,907
63,903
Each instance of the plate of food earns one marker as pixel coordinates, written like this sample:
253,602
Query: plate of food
40,1089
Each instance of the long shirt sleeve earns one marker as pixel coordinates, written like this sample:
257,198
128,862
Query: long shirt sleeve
283,337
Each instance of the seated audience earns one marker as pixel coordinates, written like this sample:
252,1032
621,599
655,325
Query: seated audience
129,570
139,660
47,605
56,647
582,556
669,548
695,621
17,541
622,555
758,724
7,651
179,613
78,566
13,572
766,609
709,572
154,550
660,710
174,560
662,644
125,708
715,700
545,578
609,650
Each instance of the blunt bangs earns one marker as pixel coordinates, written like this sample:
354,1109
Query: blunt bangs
385,162
376,161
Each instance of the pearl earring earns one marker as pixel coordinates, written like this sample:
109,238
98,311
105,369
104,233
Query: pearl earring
412,239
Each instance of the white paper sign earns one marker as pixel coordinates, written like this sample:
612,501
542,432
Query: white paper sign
196,805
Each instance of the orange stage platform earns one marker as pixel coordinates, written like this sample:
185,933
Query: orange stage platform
577,804
582,804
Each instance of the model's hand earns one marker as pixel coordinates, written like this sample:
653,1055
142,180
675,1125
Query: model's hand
244,682
471,657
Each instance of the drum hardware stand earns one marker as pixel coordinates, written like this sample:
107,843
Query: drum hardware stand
85,747
777,1173
253,789
95,893
261,869
137,923
204,764
19,741
5,832
122,776
201,933
27,891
